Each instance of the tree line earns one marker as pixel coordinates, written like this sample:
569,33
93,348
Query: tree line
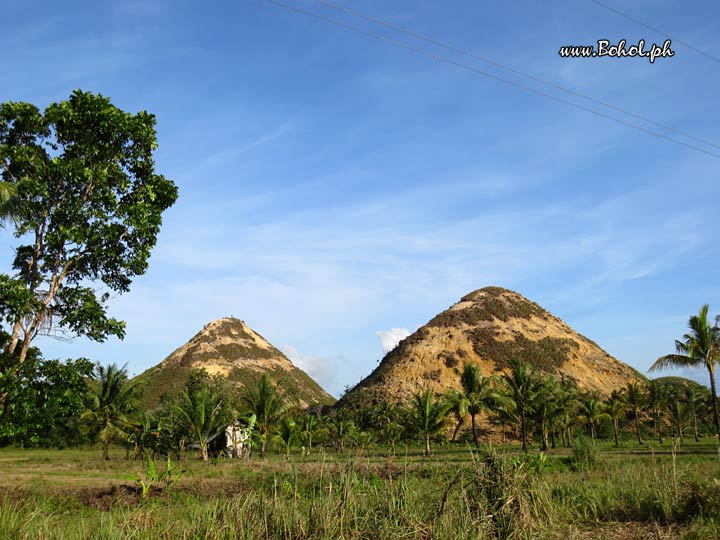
52,403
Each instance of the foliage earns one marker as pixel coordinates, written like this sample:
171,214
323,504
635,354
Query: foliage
635,400
89,203
486,305
456,494
426,416
152,476
584,454
112,403
44,400
267,401
522,383
204,409
700,347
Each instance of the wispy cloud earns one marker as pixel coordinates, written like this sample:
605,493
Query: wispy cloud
391,337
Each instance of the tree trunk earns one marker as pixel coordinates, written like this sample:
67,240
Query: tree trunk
637,426
659,426
592,433
106,453
615,432
523,430
543,430
474,431
713,391
427,445
457,428
695,429
14,338
552,438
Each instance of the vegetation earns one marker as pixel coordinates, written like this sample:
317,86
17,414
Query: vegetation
426,416
364,494
496,304
87,200
267,402
78,181
700,347
113,400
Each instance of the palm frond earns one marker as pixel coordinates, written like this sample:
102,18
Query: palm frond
674,360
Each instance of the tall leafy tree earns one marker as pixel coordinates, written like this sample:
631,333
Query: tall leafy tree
45,399
522,383
113,401
700,347
427,416
87,208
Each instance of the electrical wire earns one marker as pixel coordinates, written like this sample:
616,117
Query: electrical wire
515,71
633,19
486,74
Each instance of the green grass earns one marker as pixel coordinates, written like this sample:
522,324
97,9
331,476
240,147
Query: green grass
632,492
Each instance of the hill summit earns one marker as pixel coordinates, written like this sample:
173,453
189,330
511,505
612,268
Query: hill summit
489,327
228,347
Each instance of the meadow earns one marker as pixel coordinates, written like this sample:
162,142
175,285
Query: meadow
632,492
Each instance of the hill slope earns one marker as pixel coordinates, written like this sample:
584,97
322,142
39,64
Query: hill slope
228,347
488,326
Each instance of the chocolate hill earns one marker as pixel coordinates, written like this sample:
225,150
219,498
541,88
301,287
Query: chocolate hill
489,327
228,347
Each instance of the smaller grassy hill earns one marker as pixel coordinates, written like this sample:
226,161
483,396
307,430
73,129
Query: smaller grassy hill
228,347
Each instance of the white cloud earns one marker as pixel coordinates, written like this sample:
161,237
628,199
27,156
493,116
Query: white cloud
390,338
320,368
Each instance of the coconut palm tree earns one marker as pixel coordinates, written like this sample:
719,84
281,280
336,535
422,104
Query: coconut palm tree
657,397
427,416
545,407
342,428
113,400
307,427
694,399
679,416
457,405
205,412
615,409
267,403
592,411
287,434
522,383
699,347
635,400
478,394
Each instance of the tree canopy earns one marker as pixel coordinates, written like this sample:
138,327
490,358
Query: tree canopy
87,208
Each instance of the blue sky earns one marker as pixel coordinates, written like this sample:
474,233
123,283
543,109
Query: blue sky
333,186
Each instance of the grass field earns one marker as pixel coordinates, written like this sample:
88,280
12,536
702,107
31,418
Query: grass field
628,493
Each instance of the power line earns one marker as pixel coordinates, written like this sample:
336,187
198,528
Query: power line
633,19
486,74
515,71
